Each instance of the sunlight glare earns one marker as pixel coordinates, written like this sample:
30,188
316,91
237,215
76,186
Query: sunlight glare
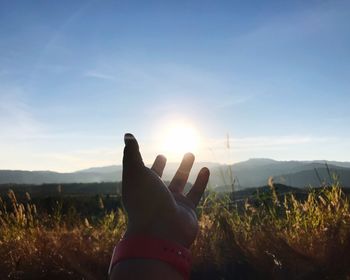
178,139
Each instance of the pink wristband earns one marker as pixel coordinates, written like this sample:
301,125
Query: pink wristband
148,247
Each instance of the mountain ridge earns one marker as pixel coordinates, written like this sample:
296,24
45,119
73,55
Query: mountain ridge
250,173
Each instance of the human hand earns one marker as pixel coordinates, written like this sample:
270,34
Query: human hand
152,207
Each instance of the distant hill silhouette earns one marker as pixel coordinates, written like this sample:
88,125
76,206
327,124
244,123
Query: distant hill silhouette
247,174
48,177
256,172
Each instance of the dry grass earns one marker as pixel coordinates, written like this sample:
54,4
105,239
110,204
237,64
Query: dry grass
279,239
34,246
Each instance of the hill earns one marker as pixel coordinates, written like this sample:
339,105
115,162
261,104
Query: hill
256,172
247,174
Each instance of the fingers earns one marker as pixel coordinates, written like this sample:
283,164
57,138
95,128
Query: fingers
158,165
178,183
132,157
199,185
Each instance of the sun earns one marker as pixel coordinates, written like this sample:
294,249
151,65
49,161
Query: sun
179,138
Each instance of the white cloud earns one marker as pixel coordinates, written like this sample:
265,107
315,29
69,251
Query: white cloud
317,19
80,159
16,118
99,75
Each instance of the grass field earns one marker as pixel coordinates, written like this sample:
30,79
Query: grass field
270,237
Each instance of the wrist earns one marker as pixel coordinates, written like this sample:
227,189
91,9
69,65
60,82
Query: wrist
144,247
160,233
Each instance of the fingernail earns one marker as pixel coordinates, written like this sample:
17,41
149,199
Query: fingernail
128,137
189,156
205,170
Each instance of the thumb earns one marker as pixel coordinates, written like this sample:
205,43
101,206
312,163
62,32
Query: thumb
132,157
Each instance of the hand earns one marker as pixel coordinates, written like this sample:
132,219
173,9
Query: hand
152,207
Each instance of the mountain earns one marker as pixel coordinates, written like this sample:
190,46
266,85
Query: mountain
316,177
111,173
116,170
246,174
337,163
103,170
256,172
49,177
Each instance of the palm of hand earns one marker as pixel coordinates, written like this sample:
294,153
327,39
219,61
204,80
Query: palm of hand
151,206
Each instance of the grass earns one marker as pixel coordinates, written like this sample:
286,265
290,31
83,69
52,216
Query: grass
274,237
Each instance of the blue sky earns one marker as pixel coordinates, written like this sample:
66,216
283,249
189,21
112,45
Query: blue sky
76,75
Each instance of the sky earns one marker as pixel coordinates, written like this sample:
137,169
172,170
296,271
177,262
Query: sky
272,78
